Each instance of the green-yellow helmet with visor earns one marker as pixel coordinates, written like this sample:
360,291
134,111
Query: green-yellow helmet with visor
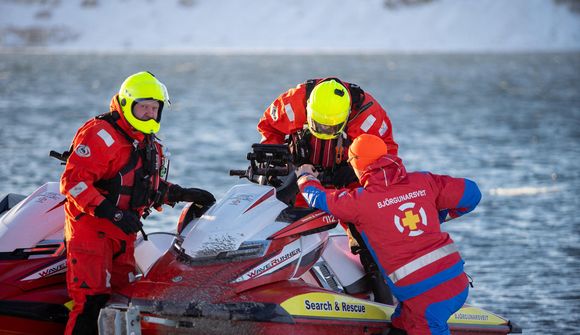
327,109
138,87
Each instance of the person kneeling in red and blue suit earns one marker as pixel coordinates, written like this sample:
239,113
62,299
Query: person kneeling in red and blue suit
399,215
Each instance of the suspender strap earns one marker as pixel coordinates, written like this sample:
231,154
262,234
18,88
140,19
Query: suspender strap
112,119
357,95
310,83
139,191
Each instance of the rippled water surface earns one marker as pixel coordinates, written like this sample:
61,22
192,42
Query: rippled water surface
509,122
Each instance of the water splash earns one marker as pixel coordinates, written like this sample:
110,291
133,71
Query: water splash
523,191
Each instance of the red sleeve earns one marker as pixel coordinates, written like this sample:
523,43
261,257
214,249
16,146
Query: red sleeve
373,120
449,190
284,116
455,196
89,162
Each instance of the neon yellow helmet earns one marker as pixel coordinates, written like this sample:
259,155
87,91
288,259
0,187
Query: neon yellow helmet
327,109
139,87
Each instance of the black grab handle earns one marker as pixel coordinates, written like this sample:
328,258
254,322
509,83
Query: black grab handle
240,173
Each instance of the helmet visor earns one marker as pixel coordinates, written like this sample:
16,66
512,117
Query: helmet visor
166,101
157,91
324,131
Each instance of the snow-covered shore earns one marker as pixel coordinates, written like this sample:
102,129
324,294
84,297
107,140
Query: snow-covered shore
294,26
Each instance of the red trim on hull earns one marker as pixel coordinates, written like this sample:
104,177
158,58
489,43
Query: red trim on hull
316,220
57,205
262,199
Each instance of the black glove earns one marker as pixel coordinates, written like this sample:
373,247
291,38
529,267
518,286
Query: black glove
127,221
202,197
343,176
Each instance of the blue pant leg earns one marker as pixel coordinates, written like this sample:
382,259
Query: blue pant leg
437,314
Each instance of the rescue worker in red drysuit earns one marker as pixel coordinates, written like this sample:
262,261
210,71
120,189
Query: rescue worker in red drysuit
113,176
398,215
320,118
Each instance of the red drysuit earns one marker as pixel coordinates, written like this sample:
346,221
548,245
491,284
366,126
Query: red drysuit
287,115
100,256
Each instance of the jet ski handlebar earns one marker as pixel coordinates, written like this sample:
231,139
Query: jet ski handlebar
266,160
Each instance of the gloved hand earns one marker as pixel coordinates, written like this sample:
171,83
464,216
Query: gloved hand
343,176
198,196
127,221
306,169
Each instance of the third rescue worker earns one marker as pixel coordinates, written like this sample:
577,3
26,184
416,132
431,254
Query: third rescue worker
115,172
321,117
399,216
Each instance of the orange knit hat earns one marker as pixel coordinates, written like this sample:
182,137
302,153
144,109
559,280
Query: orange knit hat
365,150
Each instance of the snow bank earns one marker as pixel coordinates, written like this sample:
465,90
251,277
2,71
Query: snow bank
298,25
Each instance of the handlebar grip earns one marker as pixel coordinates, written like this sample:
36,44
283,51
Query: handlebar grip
238,172
273,171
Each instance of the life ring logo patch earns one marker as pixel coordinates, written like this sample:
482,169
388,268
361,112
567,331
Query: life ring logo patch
274,112
83,150
411,219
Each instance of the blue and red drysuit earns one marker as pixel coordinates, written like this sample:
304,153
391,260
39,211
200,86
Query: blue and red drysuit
398,215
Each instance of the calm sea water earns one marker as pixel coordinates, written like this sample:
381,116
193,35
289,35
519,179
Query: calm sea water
509,122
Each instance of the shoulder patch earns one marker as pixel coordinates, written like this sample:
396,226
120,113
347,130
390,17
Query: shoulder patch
368,123
289,112
78,189
106,137
383,128
83,150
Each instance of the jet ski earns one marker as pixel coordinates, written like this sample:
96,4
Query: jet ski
250,264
